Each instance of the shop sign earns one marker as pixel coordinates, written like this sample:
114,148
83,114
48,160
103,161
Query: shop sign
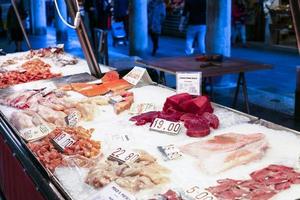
189,82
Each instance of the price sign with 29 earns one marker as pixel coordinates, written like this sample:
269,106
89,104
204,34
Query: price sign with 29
166,126
198,194
123,155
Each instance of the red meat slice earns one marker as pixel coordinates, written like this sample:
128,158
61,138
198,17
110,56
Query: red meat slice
198,129
174,117
187,117
212,119
197,105
175,101
145,118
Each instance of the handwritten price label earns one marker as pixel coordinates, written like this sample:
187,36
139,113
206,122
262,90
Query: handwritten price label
35,133
170,152
123,155
63,140
165,126
72,119
197,194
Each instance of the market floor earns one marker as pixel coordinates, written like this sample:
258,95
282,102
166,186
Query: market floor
269,90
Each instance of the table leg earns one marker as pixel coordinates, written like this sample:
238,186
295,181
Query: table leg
241,82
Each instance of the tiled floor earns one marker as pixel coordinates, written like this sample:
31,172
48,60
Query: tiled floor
269,90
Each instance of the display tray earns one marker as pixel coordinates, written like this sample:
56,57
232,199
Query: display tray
281,146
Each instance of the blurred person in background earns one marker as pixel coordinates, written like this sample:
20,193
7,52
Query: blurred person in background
1,23
121,12
239,14
103,11
13,27
195,10
90,9
156,16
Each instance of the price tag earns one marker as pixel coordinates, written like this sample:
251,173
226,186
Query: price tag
72,119
170,152
123,155
47,90
165,126
189,82
135,75
197,194
137,109
116,99
63,140
112,192
38,132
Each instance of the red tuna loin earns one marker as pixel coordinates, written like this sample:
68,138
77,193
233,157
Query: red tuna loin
212,119
145,118
198,105
175,100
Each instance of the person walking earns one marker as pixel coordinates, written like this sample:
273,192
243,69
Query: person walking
103,10
14,29
196,12
121,12
156,16
239,15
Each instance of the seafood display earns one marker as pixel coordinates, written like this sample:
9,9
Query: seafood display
51,157
33,70
196,113
226,151
143,174
263,185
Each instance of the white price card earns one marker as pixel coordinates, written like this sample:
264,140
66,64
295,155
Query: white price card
63,140
72,119
112,192
197,194
35,133
116,99
137,109
135,75
123,155
189,82
47,90
170,152
165,126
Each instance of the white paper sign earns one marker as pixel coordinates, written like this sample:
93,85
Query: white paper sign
63,140
138,76
137,109
123,155
189,82
197,194
165,126
50,88
35,133
170,152
72,119
112,192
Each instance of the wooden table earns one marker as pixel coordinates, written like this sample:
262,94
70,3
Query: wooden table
189,64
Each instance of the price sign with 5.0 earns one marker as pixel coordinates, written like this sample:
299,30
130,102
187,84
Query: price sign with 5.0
198,194
166,126
63,140
123,155
35,133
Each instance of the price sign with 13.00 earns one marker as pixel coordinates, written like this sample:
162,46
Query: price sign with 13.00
123,155
63,140
162,125
196,193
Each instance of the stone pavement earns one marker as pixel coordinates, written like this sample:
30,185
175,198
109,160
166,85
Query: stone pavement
271,92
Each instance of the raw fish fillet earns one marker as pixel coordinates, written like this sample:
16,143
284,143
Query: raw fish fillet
21,120
227,151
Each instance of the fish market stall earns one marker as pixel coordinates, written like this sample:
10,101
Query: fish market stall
78,137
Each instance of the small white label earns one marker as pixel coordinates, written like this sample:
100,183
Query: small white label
72,119
137,109
116,99
189,82
123,155
38,132
197,194
63,141
47,90
98,81
112,192
170,152
165,126
135,75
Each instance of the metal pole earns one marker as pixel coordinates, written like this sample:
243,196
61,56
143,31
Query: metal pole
295,9
85,43
20,23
